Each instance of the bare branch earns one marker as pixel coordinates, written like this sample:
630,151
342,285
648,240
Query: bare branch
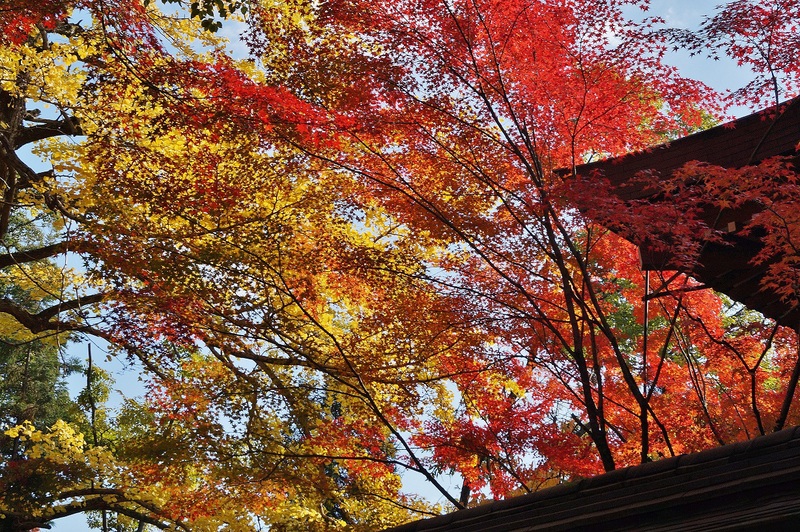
32,255
40,322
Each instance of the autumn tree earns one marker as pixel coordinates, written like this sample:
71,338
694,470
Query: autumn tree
353,256
117,90
761,36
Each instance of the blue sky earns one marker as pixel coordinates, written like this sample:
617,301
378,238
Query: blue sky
721,75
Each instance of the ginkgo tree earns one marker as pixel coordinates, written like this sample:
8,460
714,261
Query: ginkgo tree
351,257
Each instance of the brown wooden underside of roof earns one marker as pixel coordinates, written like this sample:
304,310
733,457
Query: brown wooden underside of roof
725,268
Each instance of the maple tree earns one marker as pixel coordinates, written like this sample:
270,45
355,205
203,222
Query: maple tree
760,35
353,256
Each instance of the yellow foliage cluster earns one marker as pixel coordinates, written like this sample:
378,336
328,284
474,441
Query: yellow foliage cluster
76,475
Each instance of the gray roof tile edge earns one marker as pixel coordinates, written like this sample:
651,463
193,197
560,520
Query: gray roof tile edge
674,466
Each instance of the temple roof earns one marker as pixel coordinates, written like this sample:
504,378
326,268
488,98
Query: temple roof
726,268
734,487
744,141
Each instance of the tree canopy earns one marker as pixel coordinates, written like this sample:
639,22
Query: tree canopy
347,255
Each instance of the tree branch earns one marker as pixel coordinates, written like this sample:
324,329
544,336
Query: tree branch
40,322
32,255
47,129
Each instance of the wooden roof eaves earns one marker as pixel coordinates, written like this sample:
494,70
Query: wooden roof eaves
732,145
737,144
623,496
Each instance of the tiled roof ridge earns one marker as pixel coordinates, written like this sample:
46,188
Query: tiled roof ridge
697,472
